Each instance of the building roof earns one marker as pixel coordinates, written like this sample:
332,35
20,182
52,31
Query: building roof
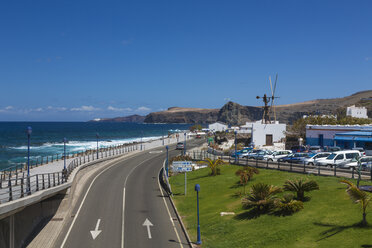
356,133
341,127
355,136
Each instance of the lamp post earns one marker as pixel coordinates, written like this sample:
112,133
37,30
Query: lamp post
64,151
236,155
29,131
97,136
167,164
141,139
184,146
197,189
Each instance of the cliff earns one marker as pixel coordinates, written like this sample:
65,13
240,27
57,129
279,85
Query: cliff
183,115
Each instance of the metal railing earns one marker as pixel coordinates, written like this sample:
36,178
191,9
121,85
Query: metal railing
14,184
285,166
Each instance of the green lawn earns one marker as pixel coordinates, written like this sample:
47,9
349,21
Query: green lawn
329,219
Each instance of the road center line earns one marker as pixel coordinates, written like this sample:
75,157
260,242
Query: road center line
125,183
86,194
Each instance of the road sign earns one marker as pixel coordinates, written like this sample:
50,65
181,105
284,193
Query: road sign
182,166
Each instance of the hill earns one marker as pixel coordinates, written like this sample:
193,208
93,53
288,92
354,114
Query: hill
234,113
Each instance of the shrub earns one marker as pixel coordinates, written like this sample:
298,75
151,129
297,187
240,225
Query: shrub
246,174
300,187
261,196
287,205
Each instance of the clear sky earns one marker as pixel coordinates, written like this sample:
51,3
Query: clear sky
78,60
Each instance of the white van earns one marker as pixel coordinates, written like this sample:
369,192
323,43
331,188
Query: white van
340,158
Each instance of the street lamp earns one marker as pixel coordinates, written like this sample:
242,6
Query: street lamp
197,189
97,135
184,147
167,164
235,147
64,151
141,139
29,131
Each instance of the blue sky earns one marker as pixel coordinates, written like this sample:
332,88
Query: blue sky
78,60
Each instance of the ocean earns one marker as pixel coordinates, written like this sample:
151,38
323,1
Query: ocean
47,137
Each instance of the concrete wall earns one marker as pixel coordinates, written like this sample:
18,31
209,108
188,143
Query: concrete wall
259,132
28,222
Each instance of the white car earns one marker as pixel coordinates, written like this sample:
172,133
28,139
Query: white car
277,154
339,158
315,158
366,162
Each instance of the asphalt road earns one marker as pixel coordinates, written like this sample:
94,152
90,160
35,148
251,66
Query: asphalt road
124,206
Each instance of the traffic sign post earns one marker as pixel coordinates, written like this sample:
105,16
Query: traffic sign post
181,166
185,183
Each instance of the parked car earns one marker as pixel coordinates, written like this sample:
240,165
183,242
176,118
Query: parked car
294,158
360,149
242,152
262,154
312,158
276,155
339,158
315,149
332,149
180,146
286,158
253,154
295,149
366,162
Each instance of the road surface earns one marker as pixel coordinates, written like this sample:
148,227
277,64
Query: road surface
124,206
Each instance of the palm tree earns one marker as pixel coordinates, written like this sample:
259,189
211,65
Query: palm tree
300,187
246,174
358,196
287,205
214,165
261,196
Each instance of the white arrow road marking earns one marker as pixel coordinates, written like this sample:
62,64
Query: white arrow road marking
147,223
96,232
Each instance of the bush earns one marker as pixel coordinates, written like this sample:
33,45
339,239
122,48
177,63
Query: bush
287,205
261,196
180,158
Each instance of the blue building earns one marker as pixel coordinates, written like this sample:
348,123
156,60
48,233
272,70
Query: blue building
344,136
354,139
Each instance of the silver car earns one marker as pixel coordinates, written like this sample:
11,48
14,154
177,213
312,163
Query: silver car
313,159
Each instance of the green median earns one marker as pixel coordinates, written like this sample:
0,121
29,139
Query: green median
328,218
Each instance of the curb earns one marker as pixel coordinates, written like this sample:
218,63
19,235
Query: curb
178,215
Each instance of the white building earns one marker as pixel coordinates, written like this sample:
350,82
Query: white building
217,127
265,134
358,112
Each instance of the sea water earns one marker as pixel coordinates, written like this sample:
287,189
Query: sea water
46,138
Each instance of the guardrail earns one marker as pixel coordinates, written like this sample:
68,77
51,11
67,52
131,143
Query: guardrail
15,184
43,160
284,166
